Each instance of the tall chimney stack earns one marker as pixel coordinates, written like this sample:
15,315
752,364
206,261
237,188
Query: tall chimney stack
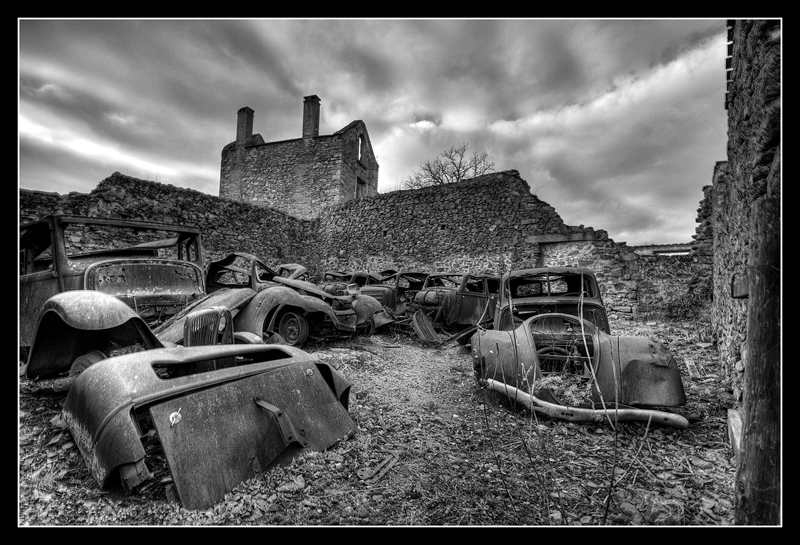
244,124
310,116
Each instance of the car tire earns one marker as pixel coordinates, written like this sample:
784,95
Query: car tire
270,337
293,327
82,363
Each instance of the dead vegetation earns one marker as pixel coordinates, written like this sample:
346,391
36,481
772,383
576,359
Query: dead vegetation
433,449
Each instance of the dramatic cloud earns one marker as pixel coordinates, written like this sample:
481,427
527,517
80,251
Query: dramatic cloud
615,123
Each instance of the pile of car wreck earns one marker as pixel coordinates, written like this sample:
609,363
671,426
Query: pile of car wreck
153,346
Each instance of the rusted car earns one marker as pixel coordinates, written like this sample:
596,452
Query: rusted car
335,276
295,309
158,275
78,306
336,283
394,289
457,301
222,414
150,272
293,270
528,343
528,292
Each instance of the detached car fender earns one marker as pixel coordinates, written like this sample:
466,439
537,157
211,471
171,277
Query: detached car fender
75,322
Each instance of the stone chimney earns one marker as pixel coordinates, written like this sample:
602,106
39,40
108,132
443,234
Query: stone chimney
310,116
244,124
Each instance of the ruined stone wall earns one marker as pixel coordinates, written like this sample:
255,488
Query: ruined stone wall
364,168
752,172
299,177
226,225
486,223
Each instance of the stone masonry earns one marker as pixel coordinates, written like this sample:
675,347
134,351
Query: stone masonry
751,172
302,176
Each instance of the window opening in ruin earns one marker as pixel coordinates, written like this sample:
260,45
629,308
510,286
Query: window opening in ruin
360,145
385,233
674,252
361,188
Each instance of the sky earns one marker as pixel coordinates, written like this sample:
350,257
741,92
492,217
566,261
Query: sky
616,123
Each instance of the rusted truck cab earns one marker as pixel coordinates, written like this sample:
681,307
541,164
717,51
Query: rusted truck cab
153,269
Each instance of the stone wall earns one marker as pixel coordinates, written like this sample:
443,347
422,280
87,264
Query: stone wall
226,225
752,172
486,223
299,177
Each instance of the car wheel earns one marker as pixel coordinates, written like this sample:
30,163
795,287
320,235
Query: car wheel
82,363
293,328
368,328
270,337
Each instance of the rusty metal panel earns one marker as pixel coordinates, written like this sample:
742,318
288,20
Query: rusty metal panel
424,329
217,438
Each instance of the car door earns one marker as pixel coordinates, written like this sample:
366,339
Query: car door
474,297
38,278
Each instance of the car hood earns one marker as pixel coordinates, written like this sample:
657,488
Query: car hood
232,299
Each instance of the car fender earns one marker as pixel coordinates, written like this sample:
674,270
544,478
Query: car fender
75,322
643,371
366,307
258,315
507,356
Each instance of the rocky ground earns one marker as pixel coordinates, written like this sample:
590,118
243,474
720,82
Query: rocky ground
433,449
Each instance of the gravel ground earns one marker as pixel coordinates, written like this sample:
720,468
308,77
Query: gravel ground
433,449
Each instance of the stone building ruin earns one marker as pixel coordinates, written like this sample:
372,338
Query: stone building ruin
300,176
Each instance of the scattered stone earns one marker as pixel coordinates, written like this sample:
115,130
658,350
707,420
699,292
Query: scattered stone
630,510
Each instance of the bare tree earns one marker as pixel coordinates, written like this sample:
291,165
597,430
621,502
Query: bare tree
451,165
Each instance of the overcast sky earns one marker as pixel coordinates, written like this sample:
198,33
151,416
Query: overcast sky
615,123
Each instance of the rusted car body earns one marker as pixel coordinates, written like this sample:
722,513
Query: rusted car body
78,305
222,414
295,309
293,271
157,276
395,290
335,276
73,304
528,292
528,343
457,301
336,283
